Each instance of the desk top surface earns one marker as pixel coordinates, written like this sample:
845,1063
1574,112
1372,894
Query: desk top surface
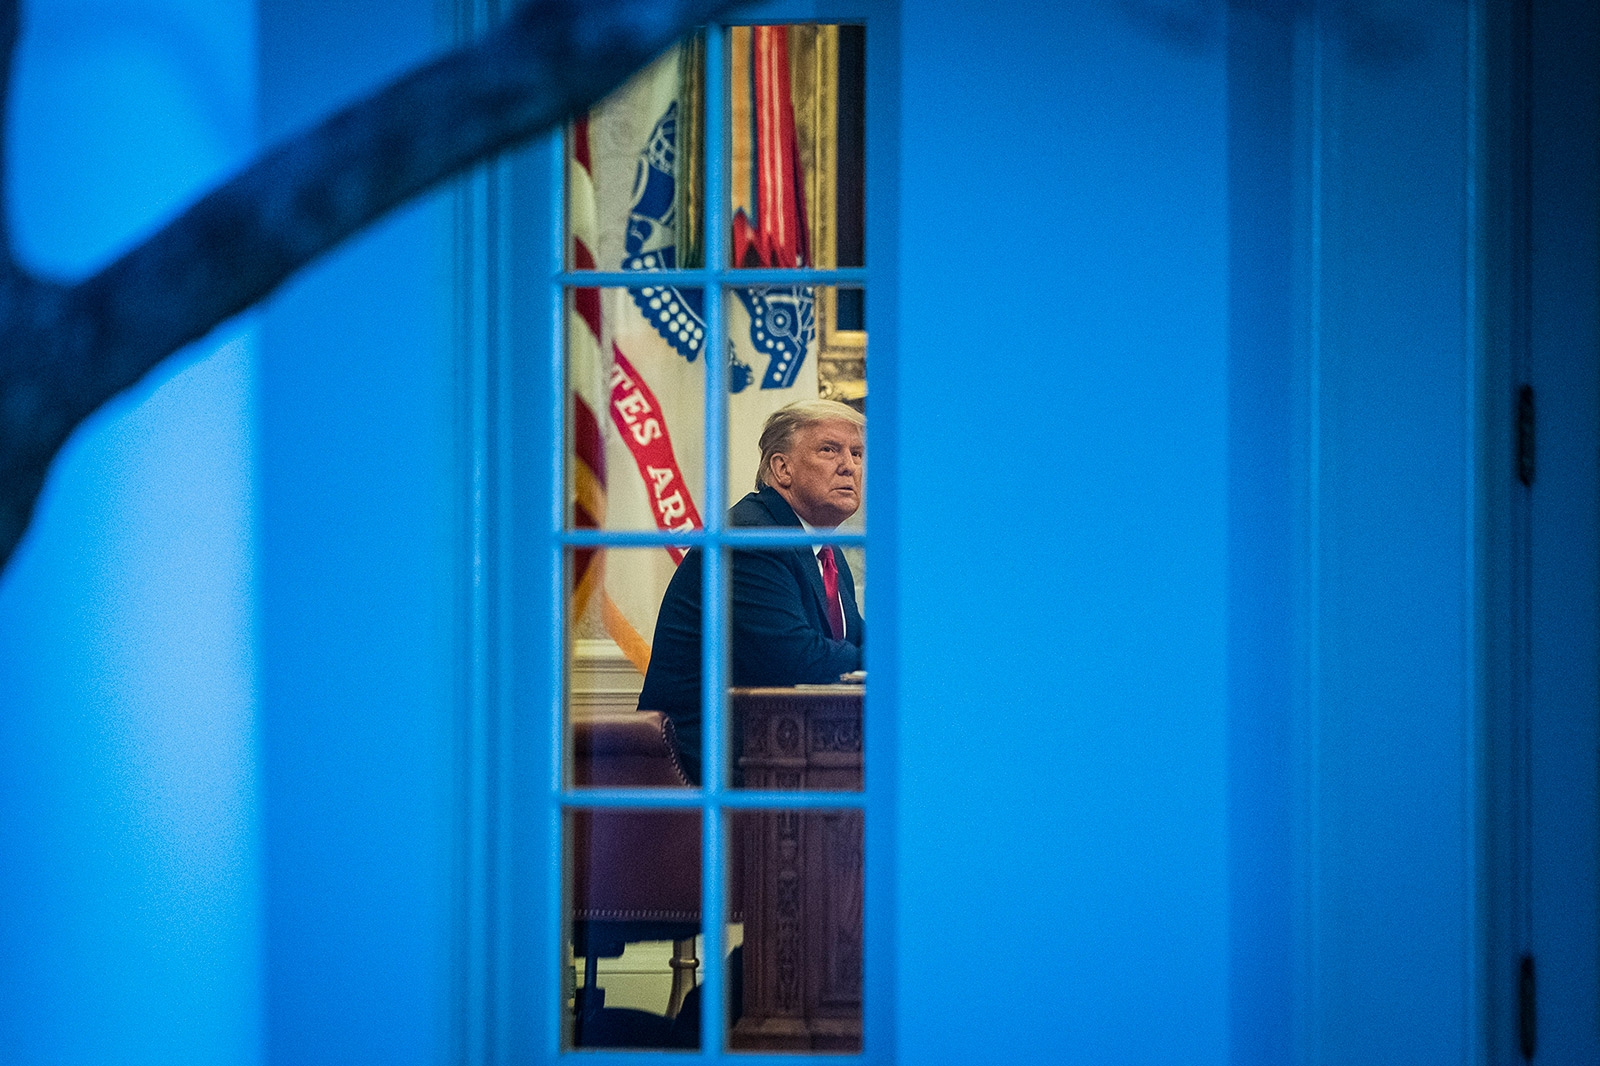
799,691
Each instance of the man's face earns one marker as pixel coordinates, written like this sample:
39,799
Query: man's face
820,474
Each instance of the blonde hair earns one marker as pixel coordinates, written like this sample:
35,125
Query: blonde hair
778,434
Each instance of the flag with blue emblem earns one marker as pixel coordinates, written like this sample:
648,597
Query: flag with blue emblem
637,356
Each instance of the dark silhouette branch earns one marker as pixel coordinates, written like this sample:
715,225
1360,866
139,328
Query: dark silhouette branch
10,25
67,349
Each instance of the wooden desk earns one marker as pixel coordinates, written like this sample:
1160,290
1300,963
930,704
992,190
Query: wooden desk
800,872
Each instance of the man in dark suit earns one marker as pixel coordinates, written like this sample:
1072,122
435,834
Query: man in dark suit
794,618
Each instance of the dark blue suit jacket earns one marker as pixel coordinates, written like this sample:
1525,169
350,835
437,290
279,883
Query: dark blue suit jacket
778,625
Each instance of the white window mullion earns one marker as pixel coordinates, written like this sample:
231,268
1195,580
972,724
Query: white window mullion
550,979
713,735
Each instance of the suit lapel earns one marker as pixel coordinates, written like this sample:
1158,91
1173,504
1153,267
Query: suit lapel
783,516
847,593
847,582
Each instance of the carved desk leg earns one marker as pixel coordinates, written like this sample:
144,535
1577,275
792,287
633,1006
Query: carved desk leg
773,1016
834,893
801,881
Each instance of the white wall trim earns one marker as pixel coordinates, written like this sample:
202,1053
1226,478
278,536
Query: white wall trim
602,678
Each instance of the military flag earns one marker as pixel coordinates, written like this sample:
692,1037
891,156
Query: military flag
637,356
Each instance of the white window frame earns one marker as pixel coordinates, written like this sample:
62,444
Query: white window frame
512,274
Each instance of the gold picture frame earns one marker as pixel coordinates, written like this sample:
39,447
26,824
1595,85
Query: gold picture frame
814,81
814,58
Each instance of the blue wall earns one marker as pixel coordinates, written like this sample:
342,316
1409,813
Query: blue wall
1392,725
1062,802
356,557
128,850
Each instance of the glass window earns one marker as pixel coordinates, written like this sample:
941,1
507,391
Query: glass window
796,146
714,547
635,192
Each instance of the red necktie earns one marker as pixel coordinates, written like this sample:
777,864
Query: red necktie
830,589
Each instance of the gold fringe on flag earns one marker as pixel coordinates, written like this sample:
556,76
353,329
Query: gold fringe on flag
688,207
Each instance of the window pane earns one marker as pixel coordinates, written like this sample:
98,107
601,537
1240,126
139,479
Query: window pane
633,918
796,670
796,138
635,193
614,598
804,737
795,882
636,408
787,345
